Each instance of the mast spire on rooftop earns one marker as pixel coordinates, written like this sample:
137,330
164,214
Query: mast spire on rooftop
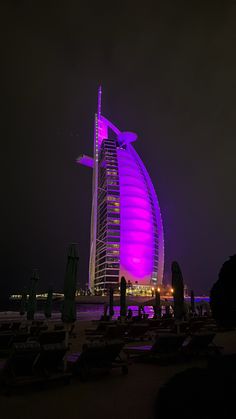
99,100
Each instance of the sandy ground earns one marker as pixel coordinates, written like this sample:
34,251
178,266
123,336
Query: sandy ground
108,396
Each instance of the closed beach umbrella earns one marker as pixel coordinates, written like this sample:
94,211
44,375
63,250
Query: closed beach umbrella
32,301
48,304
157,302
111,302
105,309
122,297
69,307
192,302
178,287
23,303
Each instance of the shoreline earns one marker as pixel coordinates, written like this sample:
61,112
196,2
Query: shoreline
131,300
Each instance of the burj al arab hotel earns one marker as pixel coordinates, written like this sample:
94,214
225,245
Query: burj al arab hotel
126,225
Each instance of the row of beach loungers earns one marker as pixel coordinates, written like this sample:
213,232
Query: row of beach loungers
34,354
131,331
28,358
169,340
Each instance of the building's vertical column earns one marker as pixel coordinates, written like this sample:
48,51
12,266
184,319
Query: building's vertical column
100,132
93,232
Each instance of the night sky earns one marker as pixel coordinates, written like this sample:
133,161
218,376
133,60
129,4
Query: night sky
168,71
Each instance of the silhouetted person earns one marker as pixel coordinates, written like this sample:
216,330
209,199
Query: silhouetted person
129,314
142,309
167,315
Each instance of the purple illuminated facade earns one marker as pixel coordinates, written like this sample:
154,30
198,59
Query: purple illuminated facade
126,225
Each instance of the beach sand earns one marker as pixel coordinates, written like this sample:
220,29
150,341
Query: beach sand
113,395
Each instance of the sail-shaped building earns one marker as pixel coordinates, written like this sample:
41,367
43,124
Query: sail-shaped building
126,224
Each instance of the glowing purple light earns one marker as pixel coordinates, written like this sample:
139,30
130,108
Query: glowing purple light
137,229
127,137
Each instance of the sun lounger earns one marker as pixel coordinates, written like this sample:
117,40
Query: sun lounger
109,333
165,347
210,325
52,337
18,368
154,323
34,331
97,355
137,332
137,319
181,327
196,325
6,340
38,323
59,326
51,359
15,326
167,322
5,327
198,344
100,327
168,344
30,363
165,326
21,337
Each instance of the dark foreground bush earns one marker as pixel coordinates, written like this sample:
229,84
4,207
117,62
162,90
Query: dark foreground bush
223,295
196,393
